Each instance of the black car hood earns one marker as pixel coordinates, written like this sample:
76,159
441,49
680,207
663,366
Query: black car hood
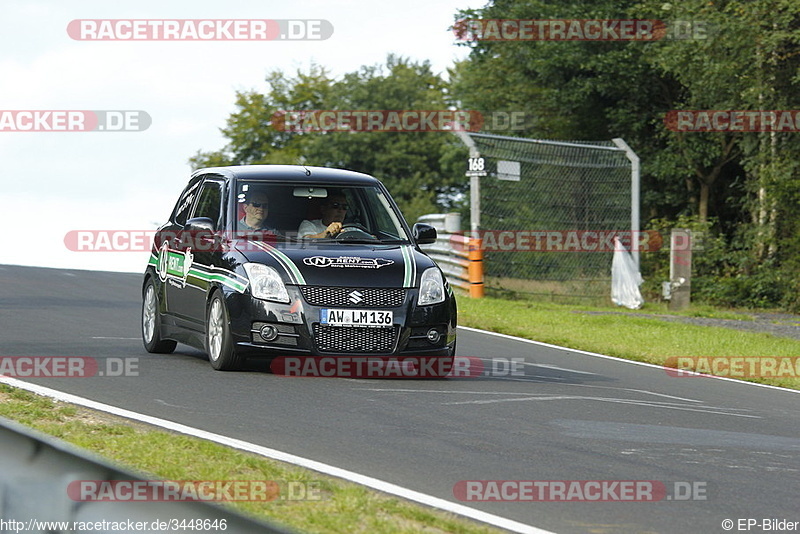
341,265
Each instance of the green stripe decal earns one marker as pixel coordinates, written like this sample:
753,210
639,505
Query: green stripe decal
286,262
219,277
409,266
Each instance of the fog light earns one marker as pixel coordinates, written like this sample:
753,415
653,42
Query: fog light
433,336
268,332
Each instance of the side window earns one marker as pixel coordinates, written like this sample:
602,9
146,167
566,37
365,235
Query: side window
182,208
387,220
209,204
355,211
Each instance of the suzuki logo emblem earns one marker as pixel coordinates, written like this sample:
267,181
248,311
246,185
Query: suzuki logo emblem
355,297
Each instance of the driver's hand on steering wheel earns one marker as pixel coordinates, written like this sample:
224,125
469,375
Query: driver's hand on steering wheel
333,229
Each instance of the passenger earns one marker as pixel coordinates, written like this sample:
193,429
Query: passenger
256,210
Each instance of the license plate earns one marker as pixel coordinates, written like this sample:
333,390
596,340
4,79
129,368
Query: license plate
343,317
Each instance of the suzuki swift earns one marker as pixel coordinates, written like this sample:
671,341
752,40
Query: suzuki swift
276,260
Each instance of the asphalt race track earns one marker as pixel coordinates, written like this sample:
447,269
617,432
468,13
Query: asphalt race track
570,417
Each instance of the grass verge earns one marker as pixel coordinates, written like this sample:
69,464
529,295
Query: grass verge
629,334
338,506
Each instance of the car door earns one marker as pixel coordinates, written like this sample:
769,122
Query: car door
168,245
201,251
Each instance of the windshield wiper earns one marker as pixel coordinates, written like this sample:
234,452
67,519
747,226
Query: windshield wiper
358,241
263,237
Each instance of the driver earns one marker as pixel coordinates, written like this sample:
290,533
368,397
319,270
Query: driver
334,210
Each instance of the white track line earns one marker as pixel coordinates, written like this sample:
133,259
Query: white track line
598,355
351,476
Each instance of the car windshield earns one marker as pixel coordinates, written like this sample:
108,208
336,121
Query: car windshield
296,211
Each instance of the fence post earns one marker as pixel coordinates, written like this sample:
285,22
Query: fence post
680,269
635,180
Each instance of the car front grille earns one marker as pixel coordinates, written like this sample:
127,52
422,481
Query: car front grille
353,297
354,339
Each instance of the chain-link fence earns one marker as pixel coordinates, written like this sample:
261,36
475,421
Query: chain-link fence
548,212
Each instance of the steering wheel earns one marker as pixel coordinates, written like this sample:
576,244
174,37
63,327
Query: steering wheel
354,230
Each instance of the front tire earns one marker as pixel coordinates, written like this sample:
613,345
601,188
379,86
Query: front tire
219,344
445,366
441,366
151,322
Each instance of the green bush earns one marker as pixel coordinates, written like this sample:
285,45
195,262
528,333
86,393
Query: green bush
725,269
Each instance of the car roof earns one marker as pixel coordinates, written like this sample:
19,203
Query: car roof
282,173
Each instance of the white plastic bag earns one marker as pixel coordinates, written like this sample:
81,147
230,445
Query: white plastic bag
625,279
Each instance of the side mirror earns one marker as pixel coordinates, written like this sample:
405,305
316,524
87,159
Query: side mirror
424,234
199,233
200,225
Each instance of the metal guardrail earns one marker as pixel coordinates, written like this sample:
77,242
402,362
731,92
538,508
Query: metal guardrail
36,470
459,257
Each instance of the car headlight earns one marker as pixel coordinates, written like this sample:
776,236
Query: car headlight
431,287
266,283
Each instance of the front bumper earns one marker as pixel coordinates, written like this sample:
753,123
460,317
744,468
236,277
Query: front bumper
299,331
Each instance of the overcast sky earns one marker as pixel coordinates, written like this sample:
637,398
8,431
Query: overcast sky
57,182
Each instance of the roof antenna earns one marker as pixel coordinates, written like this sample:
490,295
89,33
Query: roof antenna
308,171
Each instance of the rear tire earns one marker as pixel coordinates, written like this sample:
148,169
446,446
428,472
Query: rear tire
219,345
151,322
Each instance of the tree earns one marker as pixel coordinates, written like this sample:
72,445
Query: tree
746,182
578,90
415,166
252,137
750,61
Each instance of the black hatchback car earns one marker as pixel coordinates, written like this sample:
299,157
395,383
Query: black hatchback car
278,260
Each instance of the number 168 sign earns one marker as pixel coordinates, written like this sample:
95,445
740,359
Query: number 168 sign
476,167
